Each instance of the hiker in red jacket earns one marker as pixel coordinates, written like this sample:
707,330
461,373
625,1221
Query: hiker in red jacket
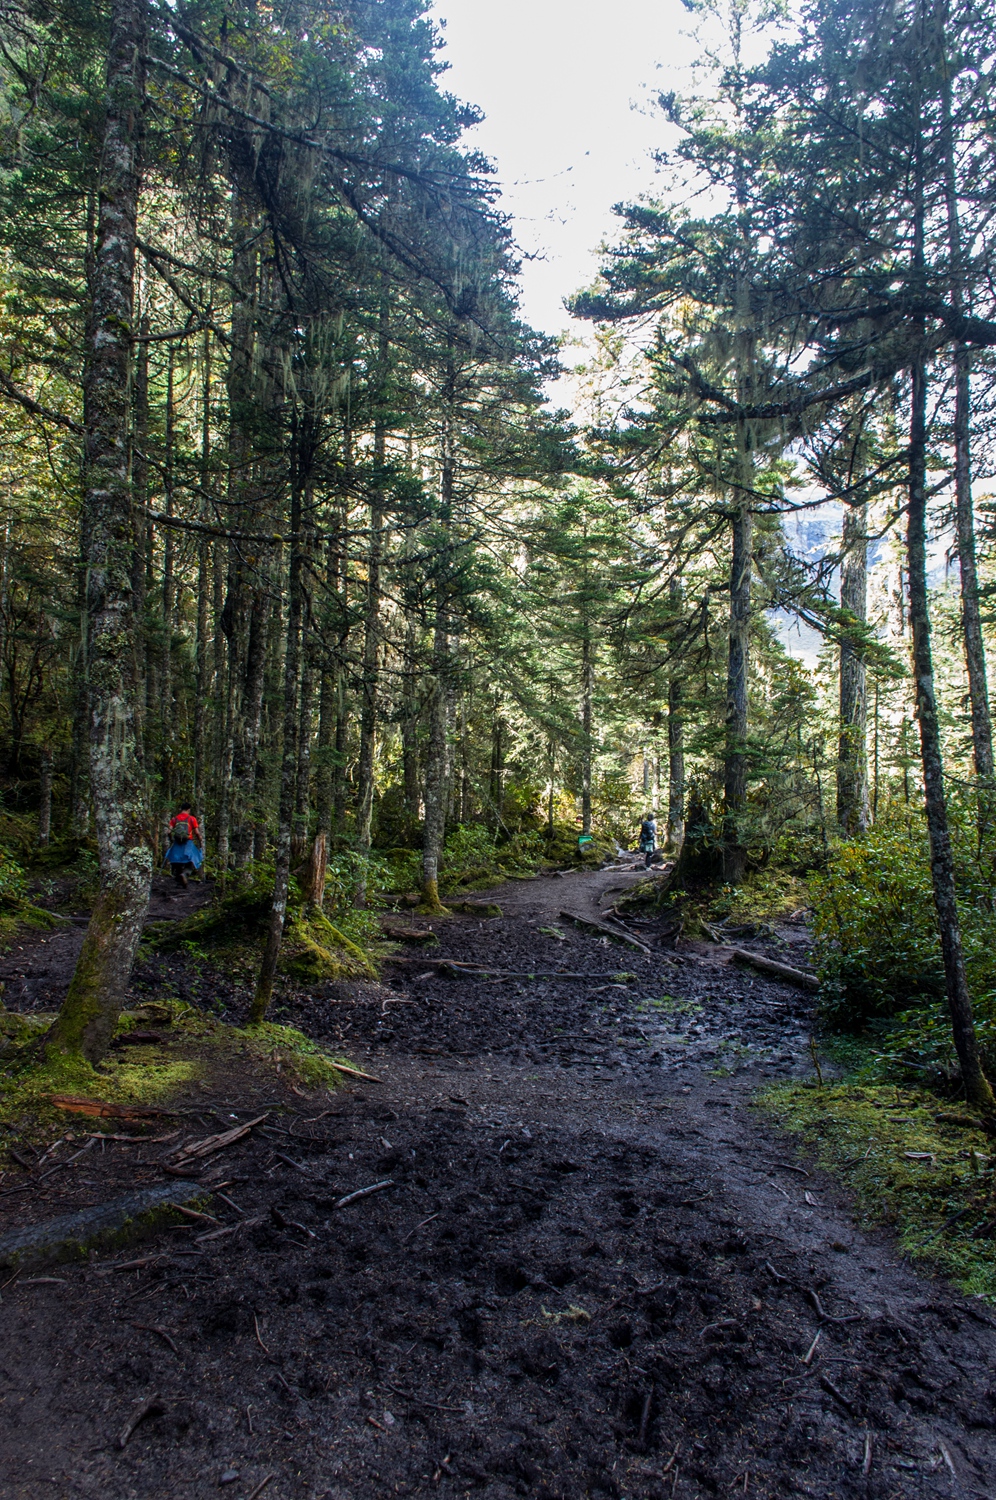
184,853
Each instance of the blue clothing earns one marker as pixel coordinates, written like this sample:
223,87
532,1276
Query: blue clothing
185,854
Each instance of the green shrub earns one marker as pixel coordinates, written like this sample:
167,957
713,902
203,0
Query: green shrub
877,948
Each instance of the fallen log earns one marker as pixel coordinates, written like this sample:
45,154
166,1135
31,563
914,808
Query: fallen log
800,977
101,1111
604,928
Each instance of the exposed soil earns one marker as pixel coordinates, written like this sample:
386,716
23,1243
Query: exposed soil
596,1271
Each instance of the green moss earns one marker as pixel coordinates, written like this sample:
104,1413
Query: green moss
291,1051
861,1134
314,950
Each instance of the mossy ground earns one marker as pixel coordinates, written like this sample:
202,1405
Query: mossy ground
314,949
913,1162
199,1059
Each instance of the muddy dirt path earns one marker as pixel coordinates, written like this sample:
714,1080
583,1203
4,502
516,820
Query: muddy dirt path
595,1270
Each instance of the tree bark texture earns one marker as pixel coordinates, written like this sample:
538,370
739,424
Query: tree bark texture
675,767
852,754
45,798
975,653
587,711
977,1090
288,774
735,766
436,770
89,1014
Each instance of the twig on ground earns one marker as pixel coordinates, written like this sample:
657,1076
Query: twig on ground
262,1485
822,1312
289,1162
375,1187
776,1274
867,1461
151,1328
356,1073
419,1226
789,1167
808,1357
670,1463
837,1395
150,1406
212,1143
192,1213
259,1339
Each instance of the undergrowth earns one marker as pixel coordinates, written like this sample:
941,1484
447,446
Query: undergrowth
914,1163
314,948
200,1049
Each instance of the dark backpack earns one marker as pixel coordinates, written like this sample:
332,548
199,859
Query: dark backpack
181,830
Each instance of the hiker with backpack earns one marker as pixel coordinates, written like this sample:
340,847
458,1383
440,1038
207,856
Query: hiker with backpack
184,855
648,838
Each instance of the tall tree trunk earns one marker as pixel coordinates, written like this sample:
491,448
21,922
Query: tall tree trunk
45,798
409,724
201,668
89,1014
675,767
977,1090
975,654
436,769
437,757
288,768
328,696
369,687
735,768
167,736
852,753
587,713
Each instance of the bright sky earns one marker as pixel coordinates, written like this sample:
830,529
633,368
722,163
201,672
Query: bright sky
568,88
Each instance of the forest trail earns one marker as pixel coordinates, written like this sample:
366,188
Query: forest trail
596,1270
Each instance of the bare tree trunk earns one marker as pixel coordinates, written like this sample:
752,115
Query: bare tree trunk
45,798
436,770
587,707
675,767
735,768
201,668
89,1014
409,725
977,1089
302,804
288,769
852,753
369,688
975,653
167,707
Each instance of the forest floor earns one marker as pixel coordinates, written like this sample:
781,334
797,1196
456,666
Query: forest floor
597,1269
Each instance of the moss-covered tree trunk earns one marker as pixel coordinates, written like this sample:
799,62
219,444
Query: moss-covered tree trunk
97,991
852,756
